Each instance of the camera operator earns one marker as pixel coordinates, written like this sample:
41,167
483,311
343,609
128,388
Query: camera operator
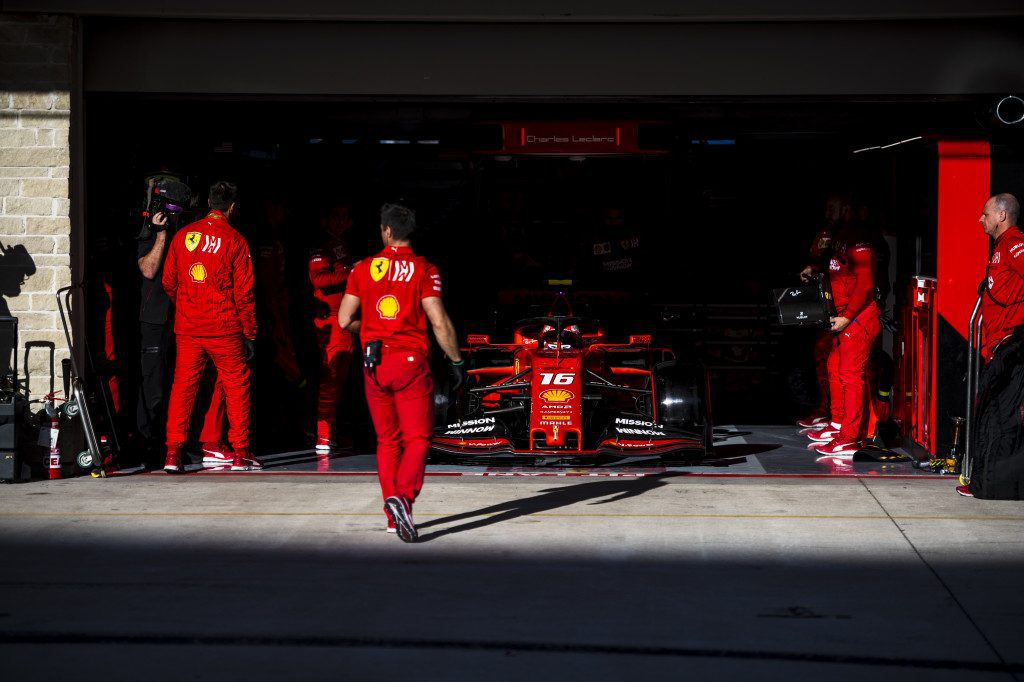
156,340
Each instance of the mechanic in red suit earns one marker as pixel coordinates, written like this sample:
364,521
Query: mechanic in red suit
208,277
394,294
1002,305
998,471
838,215
157,341
329,268
855,327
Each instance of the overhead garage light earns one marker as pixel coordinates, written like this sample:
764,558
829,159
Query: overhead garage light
394,141
428,141
1010,110
316,140
349,140
717,143
887,146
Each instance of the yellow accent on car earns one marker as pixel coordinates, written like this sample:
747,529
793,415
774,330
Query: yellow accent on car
556,395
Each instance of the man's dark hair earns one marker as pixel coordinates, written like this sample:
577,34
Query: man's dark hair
400,219
1008,202
222,195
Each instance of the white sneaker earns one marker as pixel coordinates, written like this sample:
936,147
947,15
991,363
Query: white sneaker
217,455
812,421
823,436
837,448
820,426
328,447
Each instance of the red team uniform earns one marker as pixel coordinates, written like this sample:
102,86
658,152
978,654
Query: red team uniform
821,249
400,391
208,276
997,439
329,269
1002,306
851,273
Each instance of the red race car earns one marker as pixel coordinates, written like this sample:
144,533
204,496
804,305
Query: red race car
561,390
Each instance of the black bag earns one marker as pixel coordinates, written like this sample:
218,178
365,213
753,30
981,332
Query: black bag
997,438
810,304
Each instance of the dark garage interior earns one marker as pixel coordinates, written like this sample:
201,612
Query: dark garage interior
718,202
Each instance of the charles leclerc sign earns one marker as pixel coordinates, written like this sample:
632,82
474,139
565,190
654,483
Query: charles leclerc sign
568,137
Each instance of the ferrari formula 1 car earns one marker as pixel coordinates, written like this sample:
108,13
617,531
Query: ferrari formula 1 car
560,390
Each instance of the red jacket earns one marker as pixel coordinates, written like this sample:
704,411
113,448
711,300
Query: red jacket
1002,305
329,267
390,287
208,275
852,274
821,247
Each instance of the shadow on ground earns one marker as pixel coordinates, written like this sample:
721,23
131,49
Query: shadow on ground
549,500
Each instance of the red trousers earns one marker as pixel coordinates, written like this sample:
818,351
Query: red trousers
335,361
822,351
400,395
228,356
216,420
847,373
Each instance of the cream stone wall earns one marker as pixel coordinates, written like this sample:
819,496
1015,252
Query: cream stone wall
35,228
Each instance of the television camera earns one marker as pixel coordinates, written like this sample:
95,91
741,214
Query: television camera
168,195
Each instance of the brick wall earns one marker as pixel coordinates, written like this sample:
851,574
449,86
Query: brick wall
35,228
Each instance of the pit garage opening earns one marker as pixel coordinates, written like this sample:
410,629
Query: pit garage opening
668,218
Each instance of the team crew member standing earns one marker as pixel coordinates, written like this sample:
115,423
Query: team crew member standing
157,341
856,325
394,294
998,433
329,267
208,276
838,216
1002,305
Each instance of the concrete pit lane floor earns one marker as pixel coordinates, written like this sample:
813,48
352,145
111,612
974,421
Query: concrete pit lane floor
666,575
738,451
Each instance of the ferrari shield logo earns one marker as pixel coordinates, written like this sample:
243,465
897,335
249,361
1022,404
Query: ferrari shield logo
192,240
379,268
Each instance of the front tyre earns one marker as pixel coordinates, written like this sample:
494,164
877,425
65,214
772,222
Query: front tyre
682,400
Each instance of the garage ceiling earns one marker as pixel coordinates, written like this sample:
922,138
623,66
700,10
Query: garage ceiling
495,60
532,10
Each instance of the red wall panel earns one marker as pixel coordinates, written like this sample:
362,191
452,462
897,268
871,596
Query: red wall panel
964,180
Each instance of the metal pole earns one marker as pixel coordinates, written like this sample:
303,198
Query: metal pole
973,369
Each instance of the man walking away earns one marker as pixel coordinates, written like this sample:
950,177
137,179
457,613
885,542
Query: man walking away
394,294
